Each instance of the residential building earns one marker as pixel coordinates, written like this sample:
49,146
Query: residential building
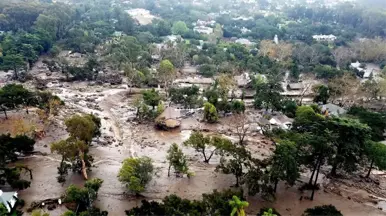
244,41
243,80
324,37
203,29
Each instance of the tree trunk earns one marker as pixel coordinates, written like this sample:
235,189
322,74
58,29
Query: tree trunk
169,170
205,159
336,163
334,168
237,181
316,180
313,173
84,170
276,182
5,113
15,72
371,167
211,154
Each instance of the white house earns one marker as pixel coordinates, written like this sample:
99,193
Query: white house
244,41
203,29
324,37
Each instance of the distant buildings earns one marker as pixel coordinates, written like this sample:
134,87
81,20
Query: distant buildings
243,18
329,38
205,23
243,80
143,16
203,29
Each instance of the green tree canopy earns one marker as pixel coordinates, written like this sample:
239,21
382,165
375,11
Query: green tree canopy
210,113
322,210
177,160
151,97
179,28
136,173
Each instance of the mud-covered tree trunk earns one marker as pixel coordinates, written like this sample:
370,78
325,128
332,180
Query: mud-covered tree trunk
210,156
84,169
206,160
15,73
313,173
370,168
316,180
5,113
275,188
336,162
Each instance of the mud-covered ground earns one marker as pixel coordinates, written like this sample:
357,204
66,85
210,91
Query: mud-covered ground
122,137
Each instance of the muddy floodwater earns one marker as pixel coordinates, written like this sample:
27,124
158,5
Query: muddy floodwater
127,138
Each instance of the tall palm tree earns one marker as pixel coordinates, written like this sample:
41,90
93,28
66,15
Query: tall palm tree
238,206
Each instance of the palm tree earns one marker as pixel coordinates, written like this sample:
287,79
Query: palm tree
238,206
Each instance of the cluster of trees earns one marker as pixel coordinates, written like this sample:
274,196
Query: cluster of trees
83,198
10,150
227,202
314,141
148,98
74,150
14,96
343,143
345,17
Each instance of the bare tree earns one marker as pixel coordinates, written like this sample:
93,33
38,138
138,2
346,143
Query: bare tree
343,56
281,51
240,123
346,89
373,50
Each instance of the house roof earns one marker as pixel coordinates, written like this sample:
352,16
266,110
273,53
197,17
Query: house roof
280,119
296,86
367,73
243,79
195,80
170,113
333,109
244,41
